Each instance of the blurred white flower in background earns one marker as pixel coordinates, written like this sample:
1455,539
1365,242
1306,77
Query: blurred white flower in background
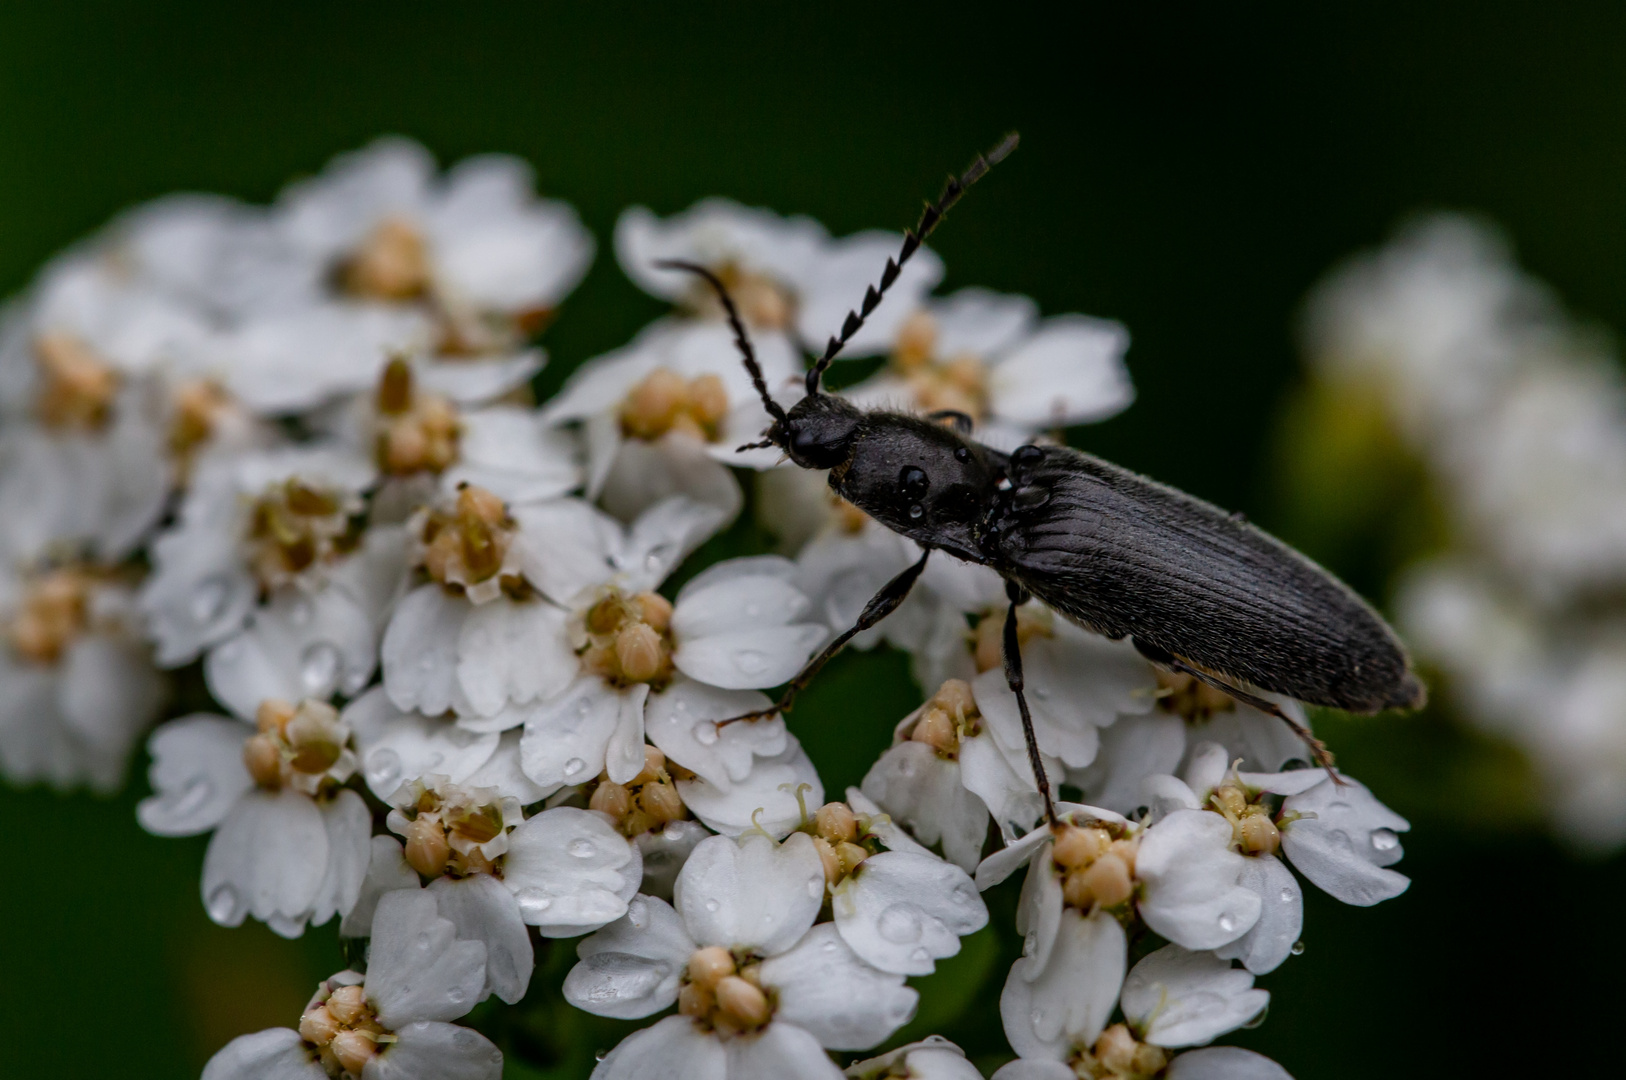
1519,415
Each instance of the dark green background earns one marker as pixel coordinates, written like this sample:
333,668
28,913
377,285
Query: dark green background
1187,170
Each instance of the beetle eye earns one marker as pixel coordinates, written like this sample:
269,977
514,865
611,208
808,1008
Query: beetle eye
912,482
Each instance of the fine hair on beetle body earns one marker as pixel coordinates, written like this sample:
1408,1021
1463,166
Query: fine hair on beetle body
1196,590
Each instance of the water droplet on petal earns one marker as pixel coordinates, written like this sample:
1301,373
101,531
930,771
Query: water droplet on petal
815,885
209,598
1227,922
532,903
916,510
582,848
190,798
574,766
1287,896
712,904
1037,1016
1297,949
318,668
456,995
383,769
900,923
1384,840
829,946
705,733
424,942
751,661
222,904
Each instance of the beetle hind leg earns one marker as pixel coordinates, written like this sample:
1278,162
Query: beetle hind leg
1318,749
1014,679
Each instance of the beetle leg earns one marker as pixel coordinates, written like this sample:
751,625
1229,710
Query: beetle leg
1318,749
879,607
1013,678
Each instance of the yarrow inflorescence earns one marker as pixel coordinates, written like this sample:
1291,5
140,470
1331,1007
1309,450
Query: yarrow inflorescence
473,695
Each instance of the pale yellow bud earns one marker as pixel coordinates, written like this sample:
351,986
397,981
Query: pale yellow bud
347,1004
828,856
354,1049
1116,1049
661,802
263,759
696,1000
1076,846
850,855
318,1026
655,609
481,505
835,822
648,410
935,729
274,714
314,736
1149,1060
1126,850
426,846
955,698
395,388
989,652
708,398
1108,880
612,799
917,338
708,965
1229,799
392,263
1258,835
639,652
1075,891
406,448
654,762
742,1003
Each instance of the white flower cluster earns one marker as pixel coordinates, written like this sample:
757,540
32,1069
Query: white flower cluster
1520,418
293,446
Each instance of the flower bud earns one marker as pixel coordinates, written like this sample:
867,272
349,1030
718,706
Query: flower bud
917,338
395,388
426,846
392,263
741,1002
989,652
661,802
1229,799
650,407
654,762
318,1026
612,799
639,652
1075,891
478,504
654,609
696,1000
708,398
1149,1060
954,697
1076,846
315,737
274,714
1116,1049
262,757
347,1004
828,856
1258,835
406,448
1108,880
850,856
710,964
935,729
835,822
354,1049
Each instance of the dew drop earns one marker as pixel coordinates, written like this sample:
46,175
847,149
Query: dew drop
1287,896
209,598
920,955
424,943
916,511
751,661
705,733
712,904
1042,692
532,903
1297,949
190,798
222,904
900,923
829,946
1030,944
582,848
574,766
1384,840
1258,1020
456,995
815,886
584,708
383,768
1037,1016
1227,922
318,667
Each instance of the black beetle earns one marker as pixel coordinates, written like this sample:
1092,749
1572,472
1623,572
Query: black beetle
1198,591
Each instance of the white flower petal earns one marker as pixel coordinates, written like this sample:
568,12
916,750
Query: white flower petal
483,910
923,793
749,659
645,473
1034,1069
663,536
470,380
751,893
736,593
1281,916
1010,796
430,1050
634,966
566,547
981,322
396,747
1189,872
109,692
835,282
902,912
1224,1063
275,1054
300,645
197,774
502,771
1175,997
665,852
1131,750
1069,1002
933,1058
565,739
824,987
781,1049
1070,372
767,799
624,754
267,858
420,650
348,823
417,969
387,870
513,651
672,1049
1344,842
681,721
508,451
570,871
1261,741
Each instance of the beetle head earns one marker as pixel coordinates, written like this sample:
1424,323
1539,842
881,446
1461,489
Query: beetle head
818,432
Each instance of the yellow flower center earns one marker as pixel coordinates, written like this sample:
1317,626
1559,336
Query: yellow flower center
948,716
391,263
1096,868
1191,698
79,386
721,993
628,639
762,302
415,431
55,610
1253,832
988,639
345,1030
665,401
468,546
937,382
296,525
1118,1055
296,744
646,803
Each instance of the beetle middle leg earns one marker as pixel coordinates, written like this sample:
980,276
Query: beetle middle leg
1318,749
1013,678
879,607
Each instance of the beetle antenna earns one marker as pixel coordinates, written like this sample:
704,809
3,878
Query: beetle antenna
742,340
930,218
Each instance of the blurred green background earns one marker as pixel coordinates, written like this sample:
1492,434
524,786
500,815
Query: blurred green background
1189,170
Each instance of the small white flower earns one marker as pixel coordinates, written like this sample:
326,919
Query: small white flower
396,747
77,685
760,989
250,522
289,847
1191,881
1342,839
989,356
772,798
933,1058
665,415
784,274
1175,997
392,1022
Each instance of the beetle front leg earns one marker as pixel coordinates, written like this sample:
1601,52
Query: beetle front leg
879,607
1013,678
